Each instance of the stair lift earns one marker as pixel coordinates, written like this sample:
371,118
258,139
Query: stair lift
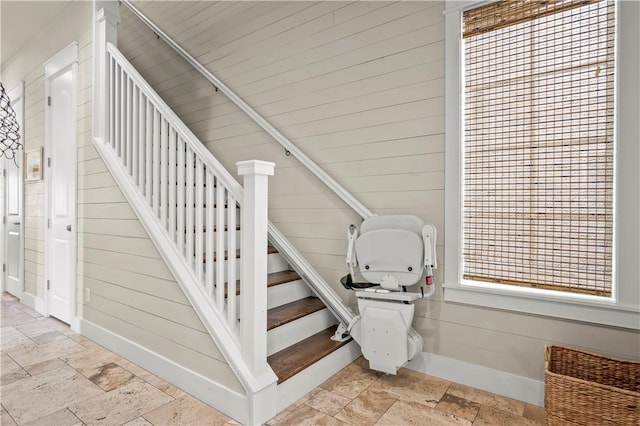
392,252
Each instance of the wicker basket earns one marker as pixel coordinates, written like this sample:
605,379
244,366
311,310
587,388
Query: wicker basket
583,388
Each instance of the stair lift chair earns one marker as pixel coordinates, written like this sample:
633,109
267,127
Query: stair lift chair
392,253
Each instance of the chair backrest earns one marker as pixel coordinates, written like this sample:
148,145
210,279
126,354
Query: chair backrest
391,245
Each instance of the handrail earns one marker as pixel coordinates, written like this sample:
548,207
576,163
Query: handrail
338,189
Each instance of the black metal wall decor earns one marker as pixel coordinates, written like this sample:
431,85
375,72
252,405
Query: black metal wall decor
9,128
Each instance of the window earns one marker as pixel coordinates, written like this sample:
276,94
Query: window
538,145
531,137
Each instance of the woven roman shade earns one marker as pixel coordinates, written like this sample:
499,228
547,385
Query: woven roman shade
539,144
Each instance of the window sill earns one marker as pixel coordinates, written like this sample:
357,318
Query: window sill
589,309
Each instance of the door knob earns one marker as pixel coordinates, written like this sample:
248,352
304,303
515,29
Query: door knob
69,228
16,223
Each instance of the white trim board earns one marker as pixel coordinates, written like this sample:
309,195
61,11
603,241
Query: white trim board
61,60
34,302
479,377
221,398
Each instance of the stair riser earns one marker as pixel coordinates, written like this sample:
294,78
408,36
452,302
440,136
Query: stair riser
276,263
295,331
286,293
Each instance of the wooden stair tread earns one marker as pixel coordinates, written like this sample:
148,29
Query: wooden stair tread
270,250
292,360
273,279
277,278
289,312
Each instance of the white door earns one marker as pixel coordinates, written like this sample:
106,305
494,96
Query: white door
13,263
61,247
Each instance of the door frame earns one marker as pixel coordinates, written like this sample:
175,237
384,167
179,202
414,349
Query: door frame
16,92
63,61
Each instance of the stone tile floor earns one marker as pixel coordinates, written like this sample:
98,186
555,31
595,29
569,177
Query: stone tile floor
50,375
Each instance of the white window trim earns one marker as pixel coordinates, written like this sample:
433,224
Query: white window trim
623,308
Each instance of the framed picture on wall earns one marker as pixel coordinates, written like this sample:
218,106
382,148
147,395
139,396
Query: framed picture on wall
33,165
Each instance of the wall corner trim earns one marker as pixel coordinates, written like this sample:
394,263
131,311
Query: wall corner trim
479,377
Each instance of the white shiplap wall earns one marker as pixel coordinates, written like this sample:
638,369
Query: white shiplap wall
133,294
359,87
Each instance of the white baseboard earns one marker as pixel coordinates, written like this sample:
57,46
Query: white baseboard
219,397
477,376
33,302
75,324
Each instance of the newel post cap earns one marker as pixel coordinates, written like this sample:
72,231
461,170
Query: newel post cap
255,167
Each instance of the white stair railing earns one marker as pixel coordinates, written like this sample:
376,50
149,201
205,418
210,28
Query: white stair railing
190,205
192,195
322,289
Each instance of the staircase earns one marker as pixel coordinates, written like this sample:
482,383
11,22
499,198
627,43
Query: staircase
271,325
299,331
299,328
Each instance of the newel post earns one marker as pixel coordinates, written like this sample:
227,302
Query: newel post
105,31
253,260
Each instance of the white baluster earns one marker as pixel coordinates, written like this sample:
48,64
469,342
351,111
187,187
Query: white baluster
123,110
156,162
210,247
148,140
220,255
172,186
112,101
126,154
199,216
141,140
190,207
133,159
231,271
164,169
116,110
181,169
